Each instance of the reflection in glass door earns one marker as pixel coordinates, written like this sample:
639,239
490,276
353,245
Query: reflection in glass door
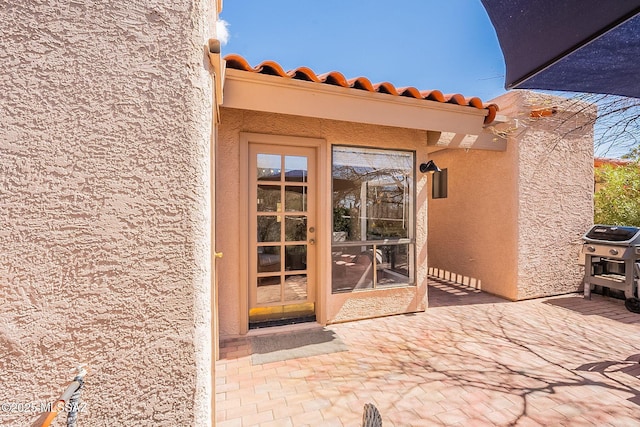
281,234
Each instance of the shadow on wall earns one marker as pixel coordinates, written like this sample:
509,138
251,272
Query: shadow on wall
470,282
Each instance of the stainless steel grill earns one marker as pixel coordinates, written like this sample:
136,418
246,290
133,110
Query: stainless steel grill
612,259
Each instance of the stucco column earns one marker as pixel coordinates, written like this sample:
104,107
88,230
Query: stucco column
105,208
554,139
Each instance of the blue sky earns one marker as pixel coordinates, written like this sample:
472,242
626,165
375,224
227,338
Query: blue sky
449,45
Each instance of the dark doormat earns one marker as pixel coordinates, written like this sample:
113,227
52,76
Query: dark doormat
281,322
294,345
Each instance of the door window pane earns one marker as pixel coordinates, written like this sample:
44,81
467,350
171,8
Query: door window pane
268,229
268,259
295,257
268,198
268,289
295,228
295,198
295,287
269,167
295,168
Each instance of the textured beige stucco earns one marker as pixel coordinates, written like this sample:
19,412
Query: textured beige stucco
473,232
512,222
555,157
233,122
362,305
104,208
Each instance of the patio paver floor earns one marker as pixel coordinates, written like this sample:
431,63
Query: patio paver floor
471,359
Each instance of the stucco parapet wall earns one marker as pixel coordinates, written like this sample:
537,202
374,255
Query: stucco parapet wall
525,214
554,141
259,92
524,107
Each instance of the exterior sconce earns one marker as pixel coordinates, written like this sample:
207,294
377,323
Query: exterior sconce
429,167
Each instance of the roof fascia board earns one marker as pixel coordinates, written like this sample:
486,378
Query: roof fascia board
274,94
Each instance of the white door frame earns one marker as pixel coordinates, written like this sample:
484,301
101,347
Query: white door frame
323,218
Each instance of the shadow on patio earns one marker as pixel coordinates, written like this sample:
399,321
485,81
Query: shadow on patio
482,362
594,307
444,293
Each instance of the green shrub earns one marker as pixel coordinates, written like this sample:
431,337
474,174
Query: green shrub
618,201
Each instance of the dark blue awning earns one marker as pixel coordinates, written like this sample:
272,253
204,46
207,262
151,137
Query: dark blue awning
569,45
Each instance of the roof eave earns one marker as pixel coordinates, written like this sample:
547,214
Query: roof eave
274,94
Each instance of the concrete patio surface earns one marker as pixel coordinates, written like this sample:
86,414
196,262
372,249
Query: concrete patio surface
471,359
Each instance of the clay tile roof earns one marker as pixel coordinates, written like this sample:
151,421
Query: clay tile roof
362,83
304,73
433,95
272,68
336,78
410,92
601,161
385,87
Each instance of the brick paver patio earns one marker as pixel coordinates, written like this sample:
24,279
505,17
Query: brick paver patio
470,360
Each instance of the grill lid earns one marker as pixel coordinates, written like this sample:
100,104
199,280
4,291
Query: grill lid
613,234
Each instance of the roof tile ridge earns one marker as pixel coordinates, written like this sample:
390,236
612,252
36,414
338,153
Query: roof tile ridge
385,87
334,78
237,62
410,92
455,98
304,73
474,101
493,112
362,83
433,95
271,68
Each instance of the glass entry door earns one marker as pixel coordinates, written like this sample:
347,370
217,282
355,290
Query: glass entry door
282,232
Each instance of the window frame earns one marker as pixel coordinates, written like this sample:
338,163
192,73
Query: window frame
377,245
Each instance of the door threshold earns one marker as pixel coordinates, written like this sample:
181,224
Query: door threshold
282,322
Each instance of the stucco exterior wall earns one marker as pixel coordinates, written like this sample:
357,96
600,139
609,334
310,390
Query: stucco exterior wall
555,158
513,220
473,233
104,208
234,121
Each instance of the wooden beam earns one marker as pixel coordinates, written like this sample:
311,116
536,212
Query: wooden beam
485,140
